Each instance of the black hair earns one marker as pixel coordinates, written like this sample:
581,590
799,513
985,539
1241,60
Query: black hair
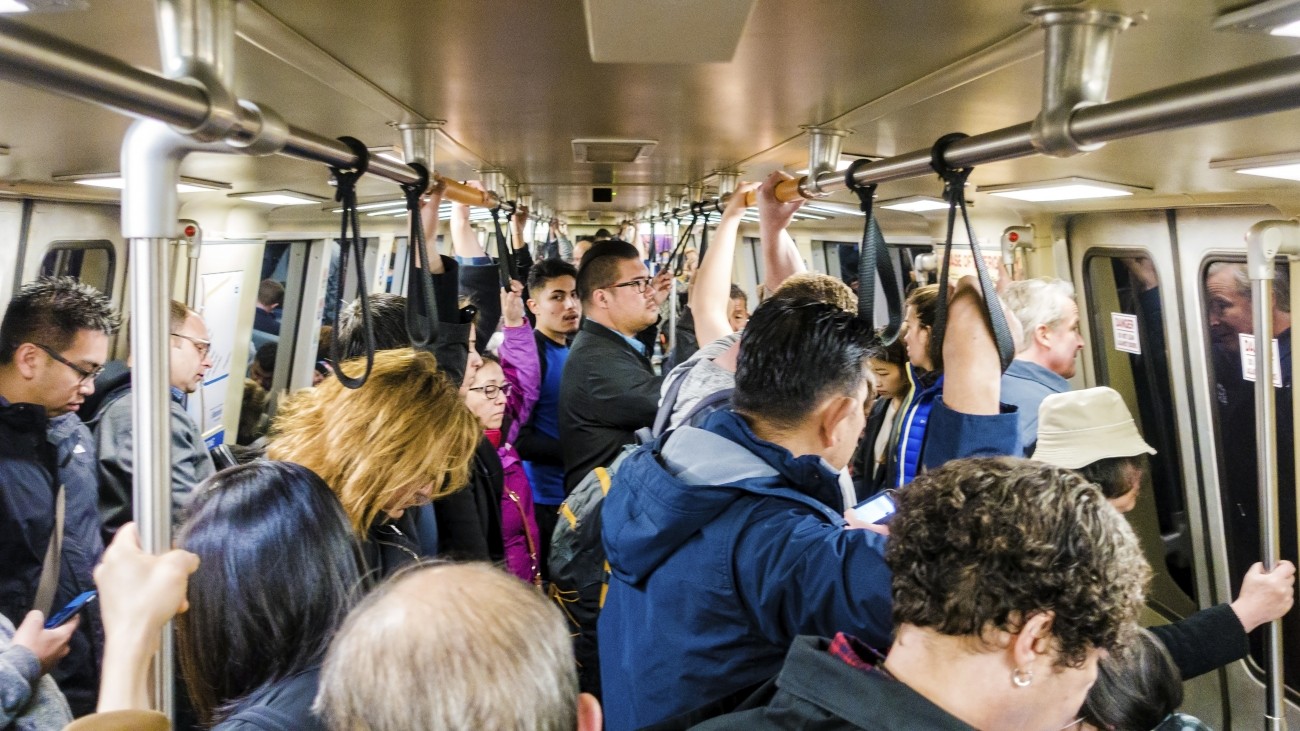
388,317
895,353
51,311
1109,474
279,570
600,266
602,233
737,293
266,356
546,270
795,353
1136,688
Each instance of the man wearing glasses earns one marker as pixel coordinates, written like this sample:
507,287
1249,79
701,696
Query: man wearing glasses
609,389
54,340
188,362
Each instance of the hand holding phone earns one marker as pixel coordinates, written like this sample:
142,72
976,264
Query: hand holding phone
48,645
876,510
72,609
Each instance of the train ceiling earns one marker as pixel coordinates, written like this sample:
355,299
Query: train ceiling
516,84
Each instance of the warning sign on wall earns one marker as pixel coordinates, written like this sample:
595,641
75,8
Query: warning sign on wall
1248,359
1125,330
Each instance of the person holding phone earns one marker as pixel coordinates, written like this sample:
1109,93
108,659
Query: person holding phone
29,697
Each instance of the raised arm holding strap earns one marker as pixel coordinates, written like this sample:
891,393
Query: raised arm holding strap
955,193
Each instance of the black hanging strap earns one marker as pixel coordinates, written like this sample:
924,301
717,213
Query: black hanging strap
955,193
346,194
873,258
421,302
505,264
677,259
704,232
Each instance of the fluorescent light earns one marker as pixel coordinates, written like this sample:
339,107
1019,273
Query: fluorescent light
1275,17
1284,165
379,204
834,208
279,197
115,181
1285,172
388,152
843,164
1064,189
1291,29
12,6
915,204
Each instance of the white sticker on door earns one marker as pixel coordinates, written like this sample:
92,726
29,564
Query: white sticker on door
1248,359
1125,329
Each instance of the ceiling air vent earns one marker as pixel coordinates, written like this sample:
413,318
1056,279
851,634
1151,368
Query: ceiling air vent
612,151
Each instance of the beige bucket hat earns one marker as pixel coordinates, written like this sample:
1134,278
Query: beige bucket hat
1078,428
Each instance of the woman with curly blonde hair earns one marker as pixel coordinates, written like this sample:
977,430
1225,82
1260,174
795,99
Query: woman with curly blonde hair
401,440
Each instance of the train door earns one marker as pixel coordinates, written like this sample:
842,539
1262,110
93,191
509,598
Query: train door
1211,253
1125,273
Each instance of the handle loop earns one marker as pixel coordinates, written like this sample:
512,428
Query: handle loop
955,193
345,180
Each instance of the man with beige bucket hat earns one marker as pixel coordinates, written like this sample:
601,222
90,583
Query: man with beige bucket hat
1093,432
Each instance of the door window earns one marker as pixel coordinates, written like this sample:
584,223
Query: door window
89,262
1226,294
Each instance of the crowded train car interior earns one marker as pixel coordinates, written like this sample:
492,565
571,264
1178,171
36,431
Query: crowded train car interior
1138,149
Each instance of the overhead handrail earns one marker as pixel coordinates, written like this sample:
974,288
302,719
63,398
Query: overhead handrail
421,301
873,257
346,194
955,193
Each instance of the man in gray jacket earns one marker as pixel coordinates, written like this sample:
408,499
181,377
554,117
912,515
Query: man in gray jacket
188,363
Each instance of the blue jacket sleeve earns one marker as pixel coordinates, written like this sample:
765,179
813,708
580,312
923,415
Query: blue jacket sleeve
819,579
953,435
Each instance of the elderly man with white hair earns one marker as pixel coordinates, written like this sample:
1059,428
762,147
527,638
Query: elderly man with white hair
1046,351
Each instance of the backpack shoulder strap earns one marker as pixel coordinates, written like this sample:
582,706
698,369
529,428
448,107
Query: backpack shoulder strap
667,404
49,583
707,405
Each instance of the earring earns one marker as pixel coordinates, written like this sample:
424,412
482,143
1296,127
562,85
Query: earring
1022,678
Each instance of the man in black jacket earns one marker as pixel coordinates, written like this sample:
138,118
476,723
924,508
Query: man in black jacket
609,389
53,342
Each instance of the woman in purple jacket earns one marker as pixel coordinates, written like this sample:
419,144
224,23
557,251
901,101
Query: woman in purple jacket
502,393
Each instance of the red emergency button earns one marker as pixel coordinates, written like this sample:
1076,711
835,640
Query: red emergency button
191,231
1013,237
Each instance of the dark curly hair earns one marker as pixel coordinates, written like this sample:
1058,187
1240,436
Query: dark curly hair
980,545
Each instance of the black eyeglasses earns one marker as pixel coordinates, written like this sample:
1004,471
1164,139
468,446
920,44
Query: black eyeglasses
203,346
491,391
85,374
639,284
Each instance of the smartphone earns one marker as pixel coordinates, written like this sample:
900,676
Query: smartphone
878,509
76,605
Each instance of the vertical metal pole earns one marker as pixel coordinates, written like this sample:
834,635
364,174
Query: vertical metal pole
151,421
1263,242
1266,440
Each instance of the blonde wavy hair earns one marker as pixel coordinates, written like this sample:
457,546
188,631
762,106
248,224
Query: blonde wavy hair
406,427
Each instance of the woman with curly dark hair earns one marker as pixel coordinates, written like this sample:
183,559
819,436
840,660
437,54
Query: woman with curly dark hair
1011,579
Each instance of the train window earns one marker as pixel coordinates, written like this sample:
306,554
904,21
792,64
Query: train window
89,262
841,259
1227,298
1127,324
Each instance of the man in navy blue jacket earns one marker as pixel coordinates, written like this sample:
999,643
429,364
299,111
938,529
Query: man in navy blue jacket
53,342
727,542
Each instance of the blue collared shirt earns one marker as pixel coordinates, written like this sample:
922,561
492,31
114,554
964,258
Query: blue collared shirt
637,345
1025,385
